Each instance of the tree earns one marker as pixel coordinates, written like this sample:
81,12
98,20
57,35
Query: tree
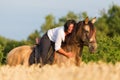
83,15
3,41
109,22
114,20
101,24
70,15
1,54
31,38
49,23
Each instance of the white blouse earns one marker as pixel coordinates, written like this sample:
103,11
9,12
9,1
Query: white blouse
57,35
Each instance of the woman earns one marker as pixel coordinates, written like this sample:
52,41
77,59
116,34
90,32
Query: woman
54,38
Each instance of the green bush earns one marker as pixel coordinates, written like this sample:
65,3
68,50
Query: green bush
1,54
108,51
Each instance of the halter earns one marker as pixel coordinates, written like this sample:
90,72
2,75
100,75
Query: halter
81,42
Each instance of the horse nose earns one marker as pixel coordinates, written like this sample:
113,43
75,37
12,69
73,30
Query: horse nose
92,47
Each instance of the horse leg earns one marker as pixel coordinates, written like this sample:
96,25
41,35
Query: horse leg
26,58
78,56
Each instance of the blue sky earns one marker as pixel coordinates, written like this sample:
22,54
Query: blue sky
19,18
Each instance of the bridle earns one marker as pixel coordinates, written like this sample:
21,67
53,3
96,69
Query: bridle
88,37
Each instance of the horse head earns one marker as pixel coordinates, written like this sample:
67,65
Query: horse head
86,34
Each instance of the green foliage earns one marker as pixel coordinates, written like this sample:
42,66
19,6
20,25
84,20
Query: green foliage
9,45
109,23
108,37
70,15
12,44
1,54
82,16
3,40
49,23
102,25
31,38
114,20
108,50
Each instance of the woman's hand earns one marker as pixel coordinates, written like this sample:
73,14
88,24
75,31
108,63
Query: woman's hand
67,54
70,55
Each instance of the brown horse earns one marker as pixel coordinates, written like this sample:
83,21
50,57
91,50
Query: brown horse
85,35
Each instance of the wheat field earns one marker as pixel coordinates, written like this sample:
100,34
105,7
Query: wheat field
90,71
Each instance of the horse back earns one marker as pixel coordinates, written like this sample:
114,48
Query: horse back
19,55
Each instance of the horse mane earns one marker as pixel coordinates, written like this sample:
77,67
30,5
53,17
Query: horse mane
70,38
74,37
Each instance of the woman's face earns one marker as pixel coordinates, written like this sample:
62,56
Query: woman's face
70,28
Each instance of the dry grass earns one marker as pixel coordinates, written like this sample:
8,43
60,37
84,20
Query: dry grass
90,71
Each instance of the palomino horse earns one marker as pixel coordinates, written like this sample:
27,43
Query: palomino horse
85,35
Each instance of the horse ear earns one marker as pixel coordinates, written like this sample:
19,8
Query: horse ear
86,20
93,20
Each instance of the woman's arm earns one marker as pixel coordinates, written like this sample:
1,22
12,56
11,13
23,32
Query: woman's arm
58,43
67,54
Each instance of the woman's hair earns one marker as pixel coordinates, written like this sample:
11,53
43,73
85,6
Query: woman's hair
69,39
67,24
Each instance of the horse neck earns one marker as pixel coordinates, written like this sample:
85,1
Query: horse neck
78,33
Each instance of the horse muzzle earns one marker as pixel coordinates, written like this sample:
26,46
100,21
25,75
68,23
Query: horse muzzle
92,47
